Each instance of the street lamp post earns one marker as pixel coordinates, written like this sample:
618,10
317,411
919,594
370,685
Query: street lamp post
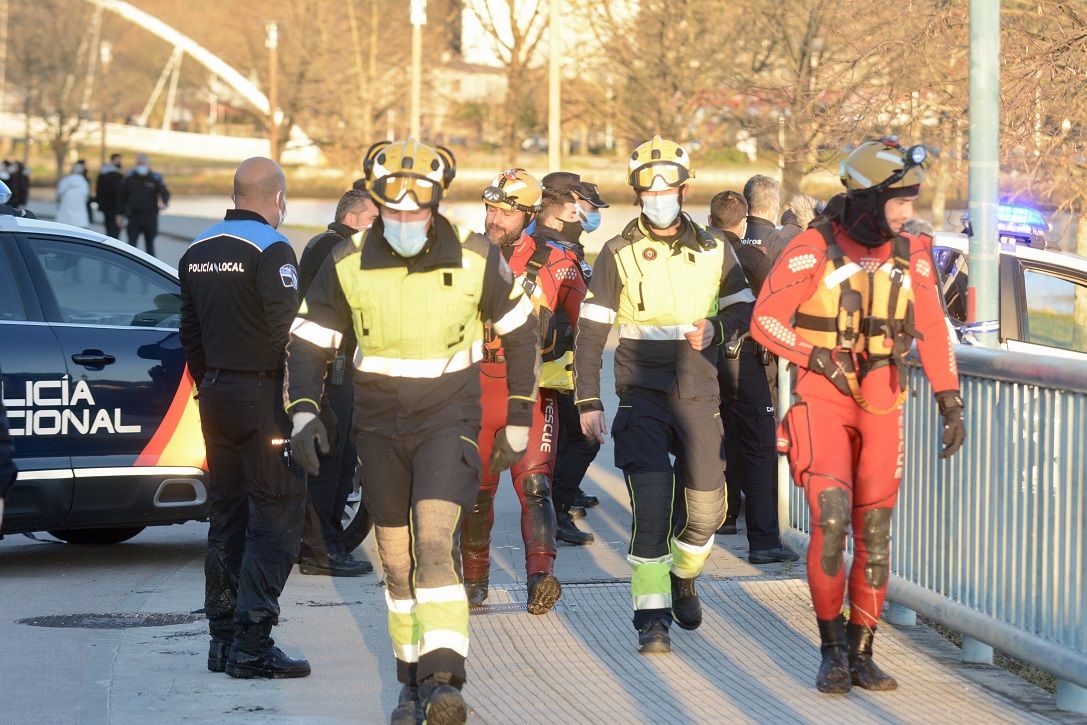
105,55
271,41
418,20
554,90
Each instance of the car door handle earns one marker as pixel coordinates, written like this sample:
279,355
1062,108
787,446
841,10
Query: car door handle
95,358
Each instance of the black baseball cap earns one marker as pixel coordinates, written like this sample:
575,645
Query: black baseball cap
569,181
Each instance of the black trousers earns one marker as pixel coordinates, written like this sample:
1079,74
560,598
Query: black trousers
327,492
748,414
574,453
257,500
148,227
110,220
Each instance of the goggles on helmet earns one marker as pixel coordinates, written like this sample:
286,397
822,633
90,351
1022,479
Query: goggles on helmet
671,175
495,195
394,189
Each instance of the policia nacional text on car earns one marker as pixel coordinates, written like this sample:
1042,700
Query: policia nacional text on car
678,293
239,295
417,291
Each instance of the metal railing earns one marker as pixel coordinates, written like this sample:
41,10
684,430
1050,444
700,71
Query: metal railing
993,542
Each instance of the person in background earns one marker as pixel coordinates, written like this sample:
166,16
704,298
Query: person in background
763,196
107,190
747,410
143,196
19,183
73,191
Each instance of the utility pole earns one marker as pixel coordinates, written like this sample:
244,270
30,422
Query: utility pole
105,52
418,20
554,90
982,294
271,41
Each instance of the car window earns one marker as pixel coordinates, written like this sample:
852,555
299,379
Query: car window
1056,311
11,302
96,285
954,273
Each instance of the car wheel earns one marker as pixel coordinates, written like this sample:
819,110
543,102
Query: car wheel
356,521
97,536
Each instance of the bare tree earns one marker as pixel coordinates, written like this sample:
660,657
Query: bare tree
515,36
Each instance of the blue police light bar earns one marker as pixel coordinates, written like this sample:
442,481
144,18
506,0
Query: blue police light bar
1020,218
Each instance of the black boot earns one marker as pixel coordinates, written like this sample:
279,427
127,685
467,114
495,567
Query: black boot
217,655
543,591
833,674
862,670
584,500
254,655
476,589
653,638
686,607
442,701
409,710
566,530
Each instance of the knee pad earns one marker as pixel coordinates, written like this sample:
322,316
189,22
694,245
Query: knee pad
537,485
394,549
833,519
435,526
877,542
705,514
651,500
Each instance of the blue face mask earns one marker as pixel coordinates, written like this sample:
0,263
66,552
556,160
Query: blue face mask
661,211
590,220
406,238
143,170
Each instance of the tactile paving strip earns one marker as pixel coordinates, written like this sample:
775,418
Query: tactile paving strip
753,659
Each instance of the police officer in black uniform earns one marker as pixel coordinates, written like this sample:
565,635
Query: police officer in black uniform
747,410
239,295
323,549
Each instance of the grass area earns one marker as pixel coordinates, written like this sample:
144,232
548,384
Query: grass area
1017,667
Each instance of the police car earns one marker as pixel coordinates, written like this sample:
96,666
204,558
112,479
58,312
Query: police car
107,434
1040,287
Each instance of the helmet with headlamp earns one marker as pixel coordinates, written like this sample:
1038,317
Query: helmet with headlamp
514,190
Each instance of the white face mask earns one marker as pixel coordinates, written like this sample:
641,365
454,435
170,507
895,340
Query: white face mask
661,210
406,238
282,213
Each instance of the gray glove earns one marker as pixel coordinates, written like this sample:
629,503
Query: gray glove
307,434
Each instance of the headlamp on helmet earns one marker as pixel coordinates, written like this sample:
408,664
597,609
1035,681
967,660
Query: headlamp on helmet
659,165
514,190
408,175
876,166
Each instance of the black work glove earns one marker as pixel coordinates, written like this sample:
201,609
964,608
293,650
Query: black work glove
950,404
504,453
308,434
824,362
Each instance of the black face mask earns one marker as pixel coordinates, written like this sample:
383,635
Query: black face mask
863,219
571,231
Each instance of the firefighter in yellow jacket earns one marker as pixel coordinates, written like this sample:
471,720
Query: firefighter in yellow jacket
417,292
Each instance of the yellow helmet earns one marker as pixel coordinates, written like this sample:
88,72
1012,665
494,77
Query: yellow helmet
514,190
883,164
408,175
658,165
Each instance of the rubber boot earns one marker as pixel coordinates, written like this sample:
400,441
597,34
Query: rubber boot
476,591
254,655
442,701
833,677
862,670
537,523
686,607
409,710
543,591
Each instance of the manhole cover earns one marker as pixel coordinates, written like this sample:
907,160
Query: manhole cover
111,621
